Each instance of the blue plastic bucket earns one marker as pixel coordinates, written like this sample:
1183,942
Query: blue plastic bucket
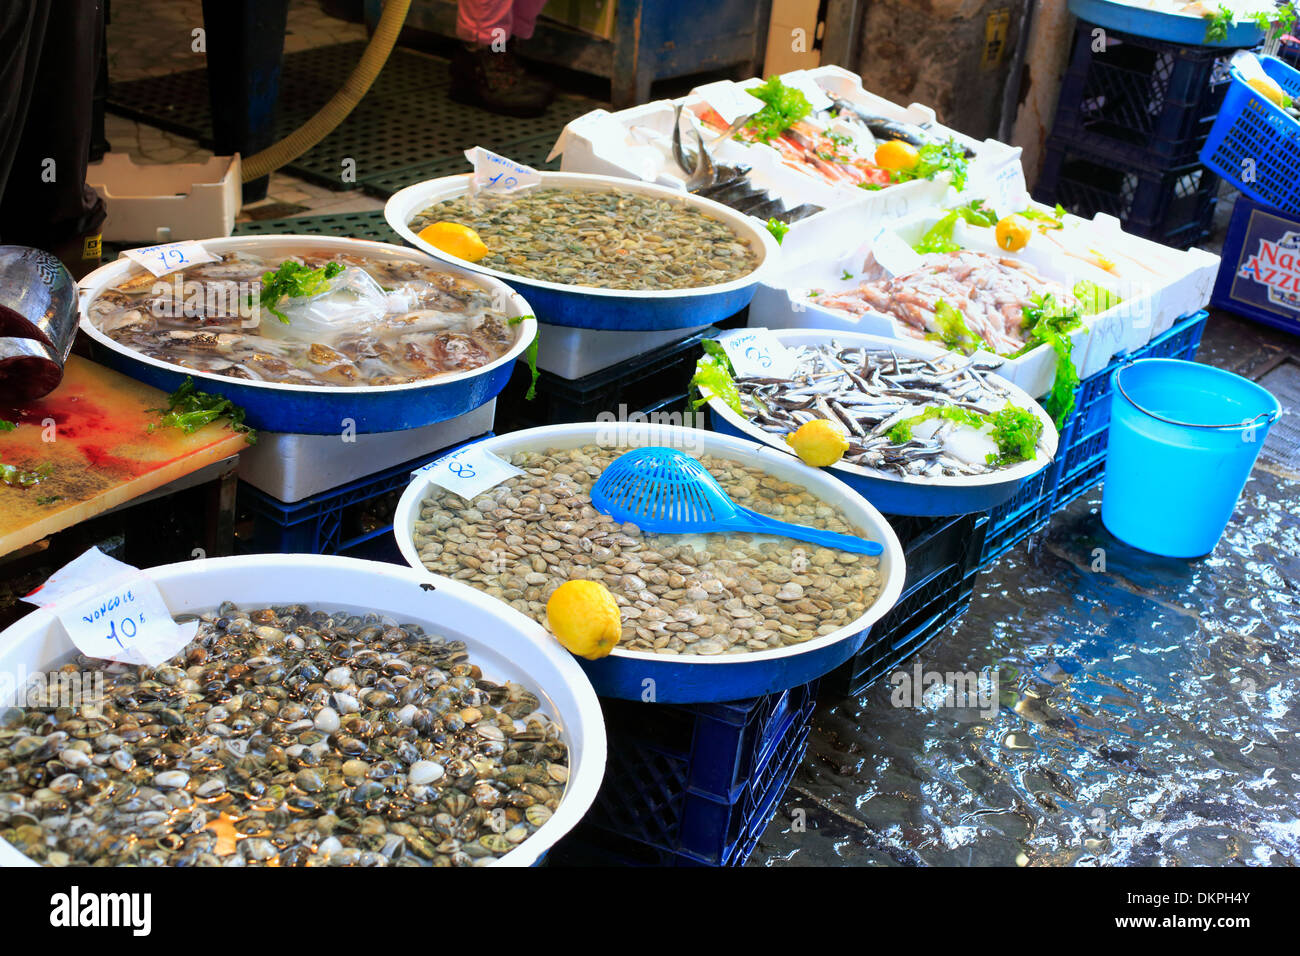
1183,439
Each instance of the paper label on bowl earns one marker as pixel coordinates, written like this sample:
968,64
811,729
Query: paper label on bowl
496,174
468,472
729,100
755,353
170,256
112,611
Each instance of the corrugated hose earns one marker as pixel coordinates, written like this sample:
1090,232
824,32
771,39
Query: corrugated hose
341,103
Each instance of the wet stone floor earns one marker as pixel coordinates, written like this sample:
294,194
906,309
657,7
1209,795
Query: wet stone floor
1147,714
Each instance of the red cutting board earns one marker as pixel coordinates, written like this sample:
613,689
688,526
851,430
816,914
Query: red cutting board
102,453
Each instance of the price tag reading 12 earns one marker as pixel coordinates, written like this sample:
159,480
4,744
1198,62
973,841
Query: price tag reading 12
469,472
755,353
163,259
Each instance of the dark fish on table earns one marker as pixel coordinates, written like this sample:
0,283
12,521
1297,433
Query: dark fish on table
882,127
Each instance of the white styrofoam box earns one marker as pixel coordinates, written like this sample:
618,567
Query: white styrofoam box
637,143
293,467
169,202
572,353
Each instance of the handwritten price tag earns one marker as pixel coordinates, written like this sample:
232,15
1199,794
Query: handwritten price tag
112,611
468,472
169,257
755,353
729,100
496,174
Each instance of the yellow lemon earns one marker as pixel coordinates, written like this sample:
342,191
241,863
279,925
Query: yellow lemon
454,239
896,155
1013,233
1268,87
584,618
819,443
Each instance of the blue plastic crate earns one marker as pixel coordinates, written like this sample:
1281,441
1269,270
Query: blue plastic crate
1170,205
692,784
942,556
1017,519
354,519
1150,100
1260,266
1255,144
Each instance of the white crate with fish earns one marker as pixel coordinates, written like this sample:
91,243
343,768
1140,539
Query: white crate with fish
1027,287
806,150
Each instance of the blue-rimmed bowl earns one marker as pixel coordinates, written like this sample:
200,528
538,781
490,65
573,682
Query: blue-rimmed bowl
671,679
588,307
321,409
913,495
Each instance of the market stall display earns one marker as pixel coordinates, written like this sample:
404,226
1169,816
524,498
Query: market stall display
725,634
271,622
437,344
582,263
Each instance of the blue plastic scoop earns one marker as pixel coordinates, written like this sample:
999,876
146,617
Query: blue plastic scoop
664,491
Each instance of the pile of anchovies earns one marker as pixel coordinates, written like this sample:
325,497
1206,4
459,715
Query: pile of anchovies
869,391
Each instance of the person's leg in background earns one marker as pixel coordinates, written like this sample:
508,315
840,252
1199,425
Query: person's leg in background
46,202
484,72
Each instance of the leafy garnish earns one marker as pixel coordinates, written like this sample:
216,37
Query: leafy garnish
870,186
295,280
17,477
845,274
1218,24
1015,429
935,158
784,107
714,372
938,238
1094,299
6,426
48,499
1047,322
953,330
530,356
778,228
189,410
1050,220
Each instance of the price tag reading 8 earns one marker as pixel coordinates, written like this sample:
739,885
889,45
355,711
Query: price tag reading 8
756,353
496,174
468,472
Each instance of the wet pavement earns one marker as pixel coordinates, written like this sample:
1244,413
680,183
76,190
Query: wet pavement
1146,707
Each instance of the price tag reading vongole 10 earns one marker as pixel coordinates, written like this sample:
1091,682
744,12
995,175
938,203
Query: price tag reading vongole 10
170,256
112,611
496,174
755,353
468,472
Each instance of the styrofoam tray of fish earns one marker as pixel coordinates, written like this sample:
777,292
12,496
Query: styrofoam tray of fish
700,263
573,353
292,467
258,600
366,332
1154,284
726,661
791,181
868,384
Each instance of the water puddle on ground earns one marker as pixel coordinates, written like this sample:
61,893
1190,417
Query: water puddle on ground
1147,715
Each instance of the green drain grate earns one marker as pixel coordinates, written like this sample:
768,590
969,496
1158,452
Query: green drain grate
354,225
405,123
